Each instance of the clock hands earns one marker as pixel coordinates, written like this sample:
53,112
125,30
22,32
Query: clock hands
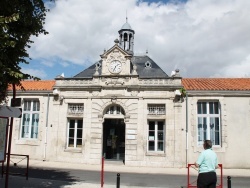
114,68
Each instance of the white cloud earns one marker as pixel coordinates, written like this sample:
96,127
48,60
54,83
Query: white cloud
35,72
47,63
201,38
241,69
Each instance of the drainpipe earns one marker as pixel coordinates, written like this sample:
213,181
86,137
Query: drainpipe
46,131
186,129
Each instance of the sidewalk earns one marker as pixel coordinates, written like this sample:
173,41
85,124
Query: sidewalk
120,167
111,166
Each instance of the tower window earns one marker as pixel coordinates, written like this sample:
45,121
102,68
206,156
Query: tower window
125,37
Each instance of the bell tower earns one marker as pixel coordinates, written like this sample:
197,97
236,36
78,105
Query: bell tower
126,39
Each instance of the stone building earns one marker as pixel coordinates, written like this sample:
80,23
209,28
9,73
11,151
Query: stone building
126,108
219,109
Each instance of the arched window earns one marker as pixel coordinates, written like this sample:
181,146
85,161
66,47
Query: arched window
125,37
130,38
121,39
115,110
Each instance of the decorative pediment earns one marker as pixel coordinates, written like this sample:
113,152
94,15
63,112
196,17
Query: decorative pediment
115,48
116,62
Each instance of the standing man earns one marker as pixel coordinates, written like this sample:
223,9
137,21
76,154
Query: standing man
207,163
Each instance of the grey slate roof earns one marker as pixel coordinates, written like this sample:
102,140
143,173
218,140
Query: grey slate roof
126,26
89,72
145,66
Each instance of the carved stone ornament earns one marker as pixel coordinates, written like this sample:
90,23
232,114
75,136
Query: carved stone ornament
113,99
114,81
134,70
134,93
95,93
116,55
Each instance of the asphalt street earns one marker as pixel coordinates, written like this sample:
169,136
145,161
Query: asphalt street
61,175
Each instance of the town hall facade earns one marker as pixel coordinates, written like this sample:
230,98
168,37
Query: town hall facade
126,108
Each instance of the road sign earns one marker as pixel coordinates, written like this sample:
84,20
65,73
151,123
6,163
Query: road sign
7,111
15,102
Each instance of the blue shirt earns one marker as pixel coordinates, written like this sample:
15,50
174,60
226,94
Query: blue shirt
207,161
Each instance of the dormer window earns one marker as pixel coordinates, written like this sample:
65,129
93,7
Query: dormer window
148,65
98,65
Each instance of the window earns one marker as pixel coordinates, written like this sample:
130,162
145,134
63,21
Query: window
115,110
30,119
209,122
156,135
156,109
75,133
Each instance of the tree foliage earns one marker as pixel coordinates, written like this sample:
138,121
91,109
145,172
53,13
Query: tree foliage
19,20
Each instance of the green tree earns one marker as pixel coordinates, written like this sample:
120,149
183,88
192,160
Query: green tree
19,20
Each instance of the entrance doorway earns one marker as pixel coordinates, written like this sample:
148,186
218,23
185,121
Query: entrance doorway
114,139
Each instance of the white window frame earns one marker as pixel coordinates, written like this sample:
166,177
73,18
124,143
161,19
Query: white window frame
155,137
32,130
76,129
210,130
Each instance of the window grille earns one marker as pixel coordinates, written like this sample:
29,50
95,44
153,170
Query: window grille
156,109
75,109
115,110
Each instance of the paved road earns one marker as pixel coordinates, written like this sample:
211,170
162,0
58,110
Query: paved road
71,175
75,178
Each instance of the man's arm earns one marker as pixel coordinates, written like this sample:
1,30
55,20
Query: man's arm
199,160
197,165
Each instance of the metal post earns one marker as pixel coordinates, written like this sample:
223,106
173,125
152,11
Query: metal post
9,142
221,176
228,181
27,170
102,173
118,181
2,168
188,175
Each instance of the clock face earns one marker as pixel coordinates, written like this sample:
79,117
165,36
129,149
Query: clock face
115,66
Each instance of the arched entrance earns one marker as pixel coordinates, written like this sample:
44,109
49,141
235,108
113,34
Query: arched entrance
114,134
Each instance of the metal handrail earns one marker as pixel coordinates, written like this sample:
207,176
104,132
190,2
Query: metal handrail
15,164
190,184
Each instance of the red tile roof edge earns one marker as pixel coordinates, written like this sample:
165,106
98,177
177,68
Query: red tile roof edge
31,85
229,84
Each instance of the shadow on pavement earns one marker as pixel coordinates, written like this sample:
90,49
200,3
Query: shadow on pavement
37,178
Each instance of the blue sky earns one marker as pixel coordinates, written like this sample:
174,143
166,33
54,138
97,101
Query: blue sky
202,38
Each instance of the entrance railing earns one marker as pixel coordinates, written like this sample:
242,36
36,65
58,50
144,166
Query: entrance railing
192,176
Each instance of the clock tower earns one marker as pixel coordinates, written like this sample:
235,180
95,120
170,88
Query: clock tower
117,60
126,34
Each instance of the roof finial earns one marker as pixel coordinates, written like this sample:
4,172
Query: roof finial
126,16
